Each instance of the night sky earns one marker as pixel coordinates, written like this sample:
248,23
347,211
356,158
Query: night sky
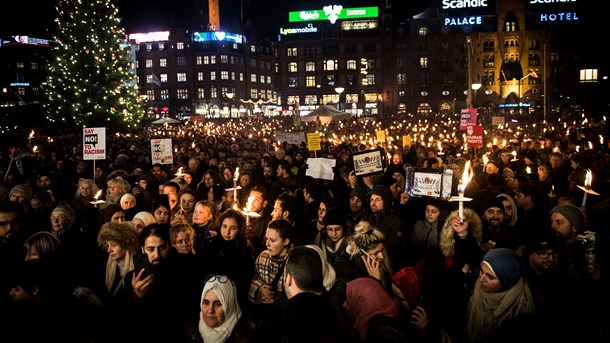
35,17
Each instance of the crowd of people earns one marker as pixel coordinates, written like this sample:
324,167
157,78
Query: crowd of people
235,241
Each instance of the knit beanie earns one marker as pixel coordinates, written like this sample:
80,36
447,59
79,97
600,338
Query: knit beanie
493,202
572,214
67,211
506,264
146,217
334,216
23,190
359,192
109,211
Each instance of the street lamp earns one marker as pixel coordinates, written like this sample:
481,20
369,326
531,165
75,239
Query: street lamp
230,95
475,87
339,90
531,73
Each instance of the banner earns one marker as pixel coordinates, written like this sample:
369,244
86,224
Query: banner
161,151
94,143
290,137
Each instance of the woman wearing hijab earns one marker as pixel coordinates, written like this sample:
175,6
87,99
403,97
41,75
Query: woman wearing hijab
220,319
500,294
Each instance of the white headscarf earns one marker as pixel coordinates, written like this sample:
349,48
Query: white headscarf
330,277
227,294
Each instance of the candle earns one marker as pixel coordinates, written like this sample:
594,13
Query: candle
485,160
235,184
95,201
588,180
463,182
248,209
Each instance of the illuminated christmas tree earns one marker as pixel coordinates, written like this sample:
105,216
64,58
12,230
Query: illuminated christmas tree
91,75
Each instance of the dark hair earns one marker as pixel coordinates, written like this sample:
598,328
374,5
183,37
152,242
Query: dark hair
283,228
160,200
289,203
155,230
172,184
241,223
305,266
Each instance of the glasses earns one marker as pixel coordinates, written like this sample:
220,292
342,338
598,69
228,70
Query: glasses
334,229
544,254
219,278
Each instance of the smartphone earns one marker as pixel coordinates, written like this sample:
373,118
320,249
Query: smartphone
140,262
425,301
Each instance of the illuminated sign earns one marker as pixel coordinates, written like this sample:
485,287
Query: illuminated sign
559,16
474,20
464,4
549,11
218,36
294,30
359,25
14,40
19,84
334,13
150,37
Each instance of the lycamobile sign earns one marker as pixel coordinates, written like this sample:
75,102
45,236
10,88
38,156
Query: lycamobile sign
333,13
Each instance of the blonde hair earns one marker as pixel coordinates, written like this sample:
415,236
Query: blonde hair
126,237
365,238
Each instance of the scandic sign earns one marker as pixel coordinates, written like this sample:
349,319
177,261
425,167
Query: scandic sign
346,13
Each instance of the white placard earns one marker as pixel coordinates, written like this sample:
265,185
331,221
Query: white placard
161,151
94,143
321,168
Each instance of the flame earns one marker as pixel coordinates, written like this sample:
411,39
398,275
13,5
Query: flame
528,170
485,159
180,171
466,176
236,177
248,207
97,195
588,179
514,153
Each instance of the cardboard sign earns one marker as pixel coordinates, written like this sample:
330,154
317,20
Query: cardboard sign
161,151
497,120
468,116
474,136
406,141
313,141
380,136
94,143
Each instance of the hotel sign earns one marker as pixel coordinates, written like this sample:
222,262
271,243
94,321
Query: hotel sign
333,13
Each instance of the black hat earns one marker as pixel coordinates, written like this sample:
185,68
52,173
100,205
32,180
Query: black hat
542,239
496,180
493,202
335,216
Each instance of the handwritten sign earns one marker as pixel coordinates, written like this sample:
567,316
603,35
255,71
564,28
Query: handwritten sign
94,143
313,141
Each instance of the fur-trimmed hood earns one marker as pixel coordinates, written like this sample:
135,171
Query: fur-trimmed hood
447,236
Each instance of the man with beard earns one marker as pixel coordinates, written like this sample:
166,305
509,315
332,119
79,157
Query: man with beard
496,232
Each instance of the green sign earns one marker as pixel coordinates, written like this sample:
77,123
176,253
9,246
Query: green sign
333,13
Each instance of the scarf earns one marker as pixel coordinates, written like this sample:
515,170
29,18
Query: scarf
228,298
487,311
18,163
